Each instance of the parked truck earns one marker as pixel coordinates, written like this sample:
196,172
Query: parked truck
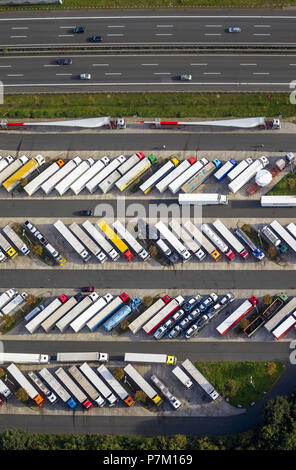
159,175
182,377
98,383
272,238
88,242
130,239
82,356
101,240
51,397
218,242
286,310
72,240
65,321
7,296
16,302
23,172
284,327
93,184
58,388
16,240
163,184
50,321
224,170
94,170
137,324
6,246
111,235
187,175
166,311
12,168
143,384
123,313
231,239
278,201
90,312
187,240
150,358
24,358
237,315
175,243
134,173
63,186
51,183
203,199
176,404
200,379
73,388
35,323
292,229
5,162
131,162
282,232
202,240
107,311
25,384
248,174
37,182
4,390
115,385
86,385
266,315
239,168
206,171
256,252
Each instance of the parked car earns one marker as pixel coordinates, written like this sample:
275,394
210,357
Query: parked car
227,299
160,332
175,332
85,76
191,302
88,289
85,212
212,312
233,29
178,315
194,329
78,30
194,314
64,61
185,77
208,301
95,39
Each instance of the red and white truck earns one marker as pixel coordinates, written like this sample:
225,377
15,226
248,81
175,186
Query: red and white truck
237,315
169,309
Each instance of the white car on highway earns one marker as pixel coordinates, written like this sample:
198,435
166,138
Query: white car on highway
85,76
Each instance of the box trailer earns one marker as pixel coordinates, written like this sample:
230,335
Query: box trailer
200,379
282,232
35,323
248,174
130,162
93,184
37,182
284,327
223,247
98,383
82,181
185,176
86,385
25,384
159,175
202,240
24,358
182,377
57,388
143,384
82,357
74,389
278,201
51,183
23,172
101,240
130,240
292,229
111,235
12,168
166,311
205,172
50,321
174,174
109,182
239,168
150,358
7,296
63,186
176,404
224,170
16,240
237,315
16,302
231,239
72,240
65,321
5,162
115,385
203,199
286,310
187,239
134,173
107,311
137,324
175,243
88,242
90,312
7,248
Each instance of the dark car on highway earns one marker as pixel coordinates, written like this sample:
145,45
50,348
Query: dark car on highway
78,30
95,39
85,212
64,61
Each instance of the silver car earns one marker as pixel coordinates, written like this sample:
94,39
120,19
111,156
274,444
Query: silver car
185,77
85,76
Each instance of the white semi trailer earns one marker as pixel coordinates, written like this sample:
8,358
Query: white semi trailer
101,240
51,183
82,181
174,241
16,240
87,386
187,239
200,379
248,174
50,321
65,321
130,240
88,242
35,323
37,182
72,240
63,186
98,383
93,184
81,321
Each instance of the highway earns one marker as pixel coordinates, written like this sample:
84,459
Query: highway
47,208
150,279
148,27
160,72
195,141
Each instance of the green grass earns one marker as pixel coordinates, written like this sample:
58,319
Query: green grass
159,4
219,373
285,187
166,105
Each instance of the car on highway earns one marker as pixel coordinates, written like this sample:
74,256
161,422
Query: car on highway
95,39
199,325
78,30
85,76
185,77
88,289
208,301
86,212
64,61
233,29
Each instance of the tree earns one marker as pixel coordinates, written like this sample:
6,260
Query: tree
147,300
177,442
244,323
153,251
272,252
2,372
118,373
23,182
267,299
16,227
37,250
31,299
271,368
7,323
141,396
231,387
247,228
291,183
124,325
21,395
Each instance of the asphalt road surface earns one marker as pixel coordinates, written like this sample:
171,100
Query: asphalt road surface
129,279
46,208
149,72
148,27
195,141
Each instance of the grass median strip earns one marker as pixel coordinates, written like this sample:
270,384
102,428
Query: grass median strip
165,105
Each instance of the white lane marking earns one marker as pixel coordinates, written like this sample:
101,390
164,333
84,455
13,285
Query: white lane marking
115,34
261,73
116,26
213,25
15,75
63,74
212,34
292,65
163,34
198,64
66,35
248,64
113,73
20,27
18,36
50,65
5,66
165,25
67,27
150,64
148,83
162,73
212,73
262,26
259,34
100,65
